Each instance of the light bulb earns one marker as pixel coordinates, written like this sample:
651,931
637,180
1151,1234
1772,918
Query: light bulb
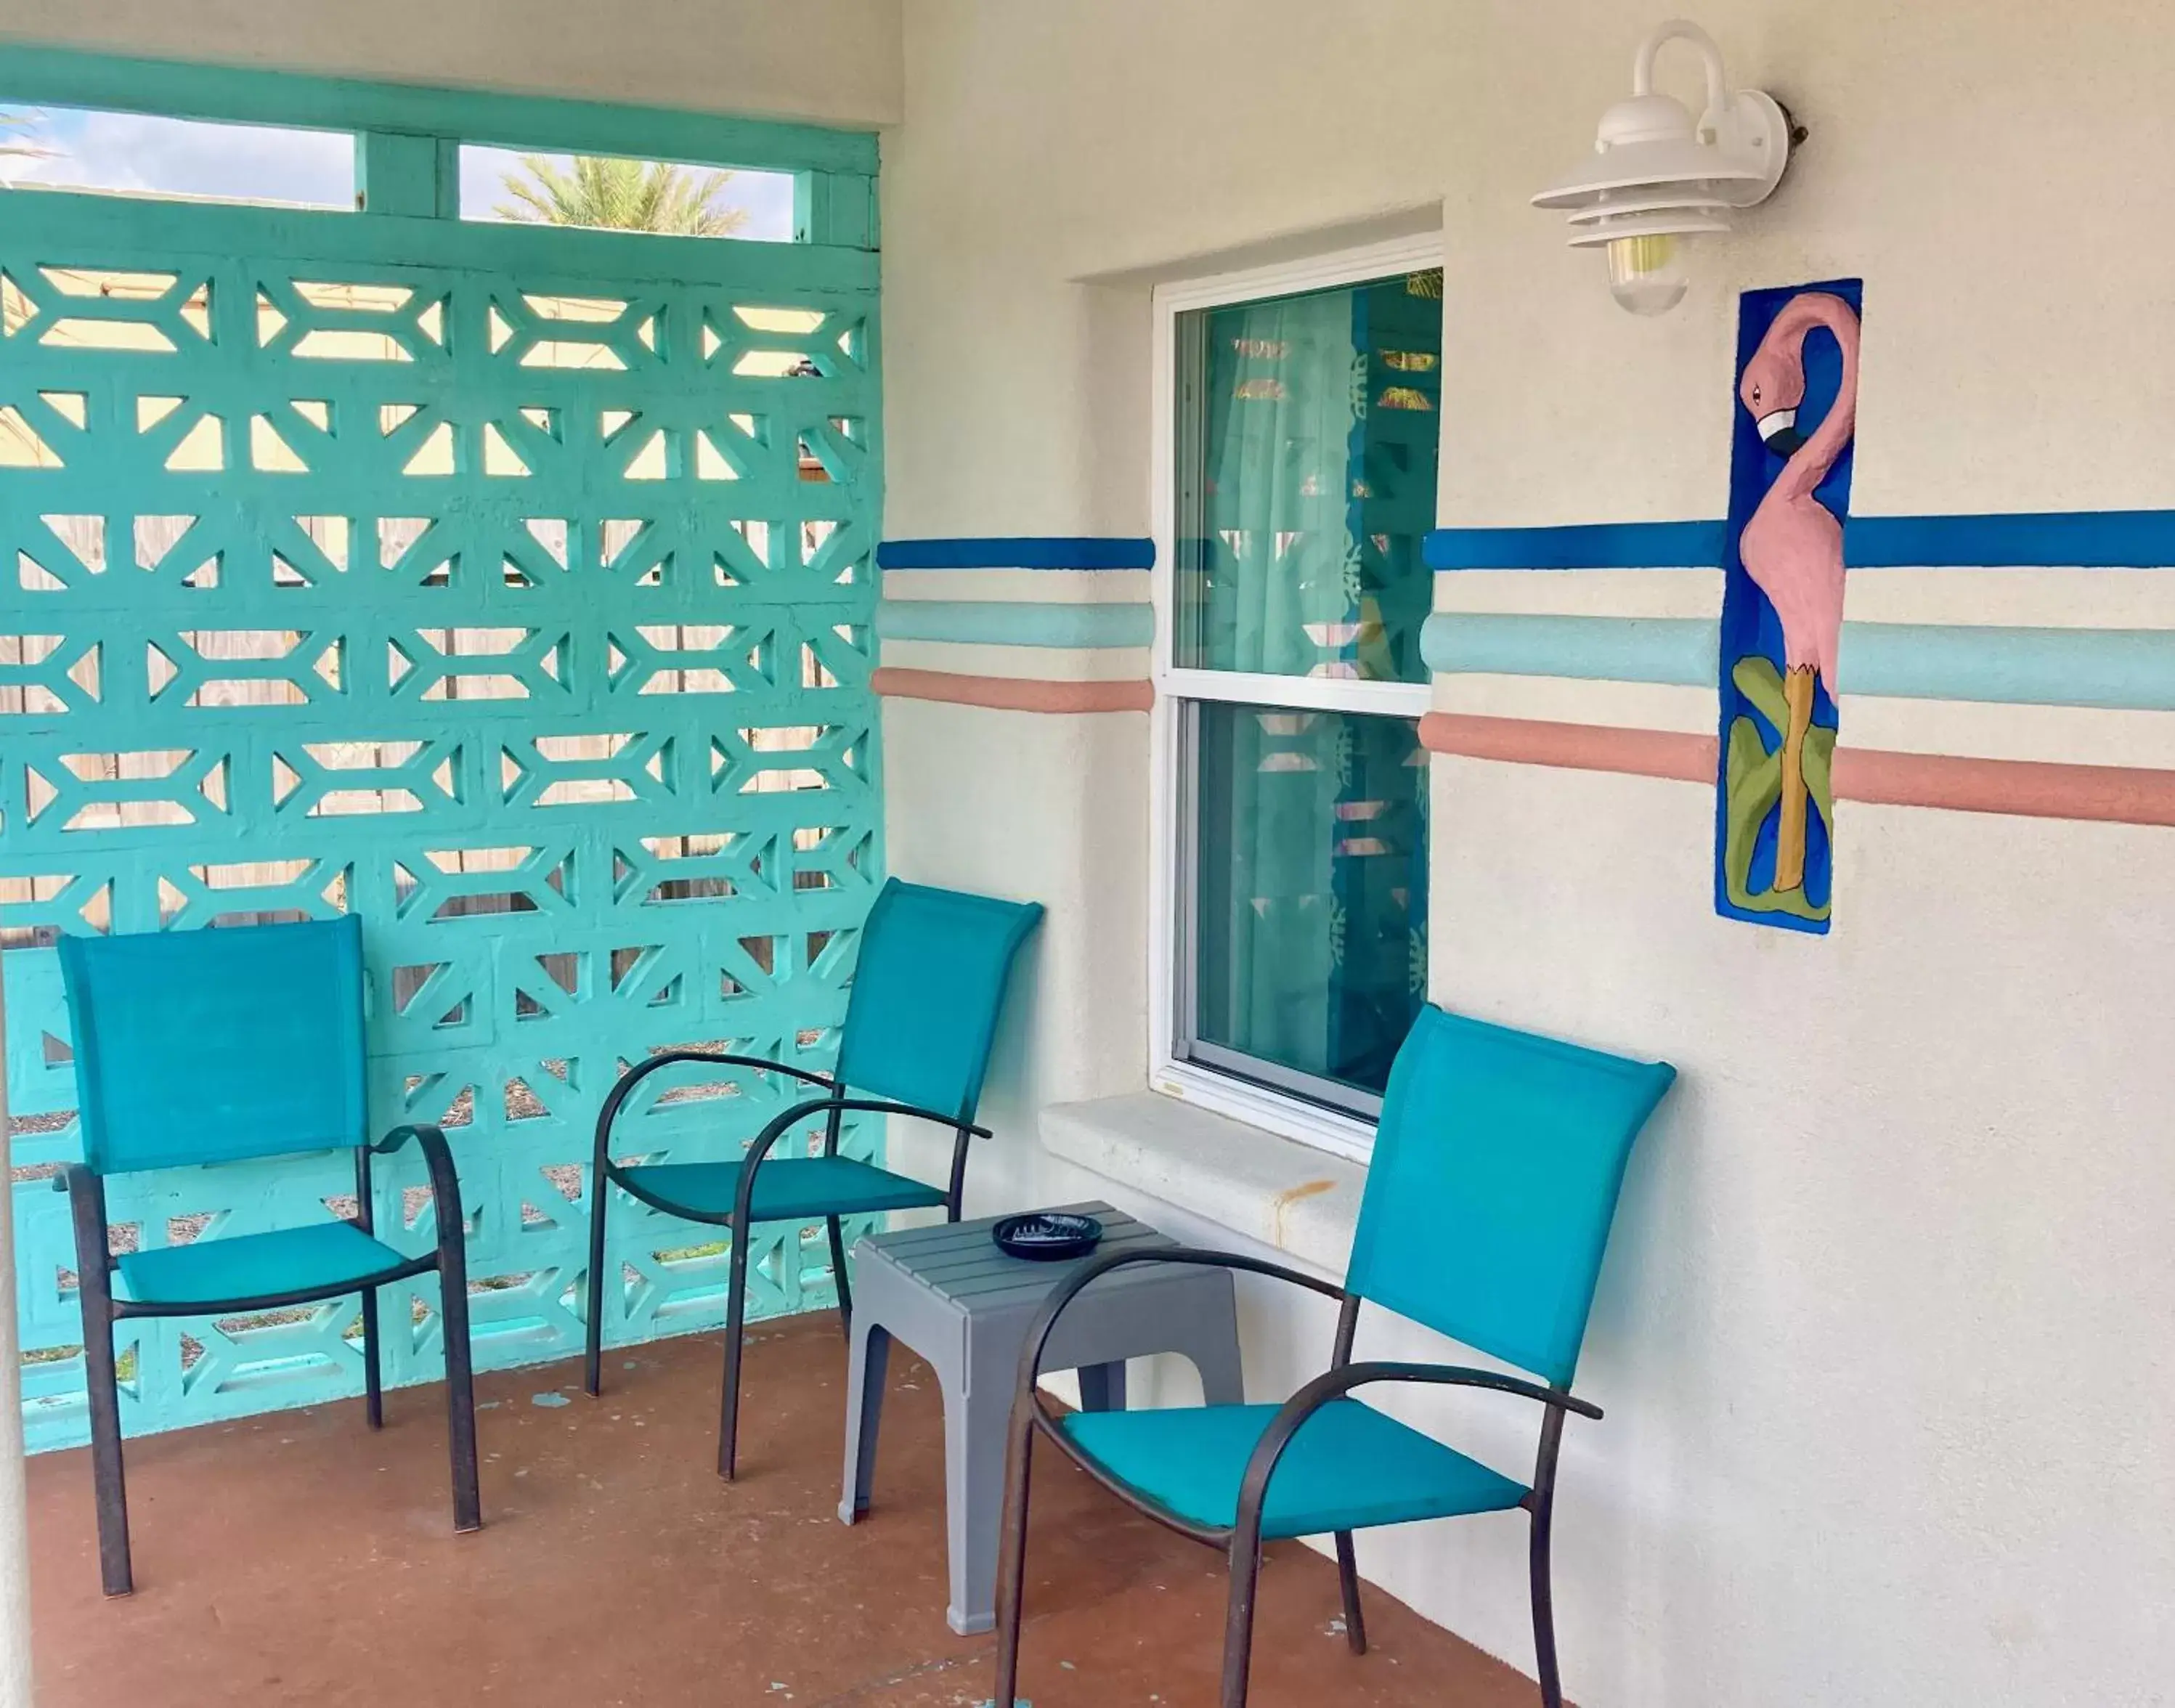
1646,274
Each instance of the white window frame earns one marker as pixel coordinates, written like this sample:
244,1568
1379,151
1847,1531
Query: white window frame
1289,1116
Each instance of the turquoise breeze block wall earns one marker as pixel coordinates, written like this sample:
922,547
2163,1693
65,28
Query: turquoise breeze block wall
512,589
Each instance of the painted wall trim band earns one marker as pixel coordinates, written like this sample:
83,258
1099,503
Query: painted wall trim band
1016,622
2014,788
2130,669
1679,650
1593,545
1012,693
2025,539
1573,746
2118,670
2051,540
1025,552
2021,787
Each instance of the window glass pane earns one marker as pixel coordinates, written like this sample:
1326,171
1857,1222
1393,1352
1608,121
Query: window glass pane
64,148
609,192
1307,438
1309,893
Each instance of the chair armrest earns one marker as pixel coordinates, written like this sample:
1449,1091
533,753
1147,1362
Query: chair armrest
776,1129
641,1071
445,1181
1045,1320
1254,1487
885,1106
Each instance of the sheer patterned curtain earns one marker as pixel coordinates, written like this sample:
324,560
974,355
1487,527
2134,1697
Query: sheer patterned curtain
1306,818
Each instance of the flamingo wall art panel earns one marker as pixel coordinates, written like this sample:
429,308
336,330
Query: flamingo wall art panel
1781,612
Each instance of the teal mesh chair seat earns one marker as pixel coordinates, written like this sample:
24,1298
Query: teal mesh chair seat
787,1188
1494,1176
928,986
1349,1467
331,1257
230,1045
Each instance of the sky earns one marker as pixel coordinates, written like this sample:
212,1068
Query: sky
130,151
186,157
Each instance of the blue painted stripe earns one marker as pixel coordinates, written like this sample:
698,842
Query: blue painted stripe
1023,553
1016,622
2059,540
2123,669
1681,650
1597,545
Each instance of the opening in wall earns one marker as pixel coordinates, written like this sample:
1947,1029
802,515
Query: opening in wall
1298,426
132,154
615,192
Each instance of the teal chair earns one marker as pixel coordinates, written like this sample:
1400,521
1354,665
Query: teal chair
224,1046
928,987
1493,1180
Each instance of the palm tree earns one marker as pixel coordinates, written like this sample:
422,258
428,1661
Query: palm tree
15,140
621,195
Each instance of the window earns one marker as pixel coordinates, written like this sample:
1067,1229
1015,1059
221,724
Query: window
1299,461
64,148
615,192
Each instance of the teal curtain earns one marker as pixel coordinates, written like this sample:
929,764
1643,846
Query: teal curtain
1312,854
1307,446
1277,556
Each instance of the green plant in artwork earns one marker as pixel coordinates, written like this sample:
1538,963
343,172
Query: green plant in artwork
621,195
1752,785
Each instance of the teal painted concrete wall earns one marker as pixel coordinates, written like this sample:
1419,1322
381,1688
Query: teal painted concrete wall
511,587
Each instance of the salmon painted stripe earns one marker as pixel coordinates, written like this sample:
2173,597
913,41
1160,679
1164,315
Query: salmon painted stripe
2017,787
1012,693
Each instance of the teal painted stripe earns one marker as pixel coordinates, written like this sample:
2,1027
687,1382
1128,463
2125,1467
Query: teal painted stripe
39,75
2129,670
1016,622
1681,650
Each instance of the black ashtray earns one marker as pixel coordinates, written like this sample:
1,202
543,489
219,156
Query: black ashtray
1046,1237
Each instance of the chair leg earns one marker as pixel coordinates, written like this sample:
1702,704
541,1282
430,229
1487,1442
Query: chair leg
1348,1579
1239,1618
373,1375
1544,1616
460,1385
593,1329
103,1379
1011,1553
838,1276
728,1409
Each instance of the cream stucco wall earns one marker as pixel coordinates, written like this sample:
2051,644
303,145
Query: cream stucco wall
1884,1332
836,62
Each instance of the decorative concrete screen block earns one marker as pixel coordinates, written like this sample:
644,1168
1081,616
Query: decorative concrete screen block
510,588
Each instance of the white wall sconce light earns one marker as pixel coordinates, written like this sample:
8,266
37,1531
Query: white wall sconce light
1657,179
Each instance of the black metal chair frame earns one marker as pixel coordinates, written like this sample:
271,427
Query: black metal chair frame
835,1104
1242,1541
94,1270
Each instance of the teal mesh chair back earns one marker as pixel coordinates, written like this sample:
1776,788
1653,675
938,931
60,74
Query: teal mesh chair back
927,991
1493,1183
214,1045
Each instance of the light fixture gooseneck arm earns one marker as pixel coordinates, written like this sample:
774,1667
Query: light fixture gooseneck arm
1681,30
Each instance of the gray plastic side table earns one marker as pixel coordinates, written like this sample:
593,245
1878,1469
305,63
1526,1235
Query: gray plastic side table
950,1294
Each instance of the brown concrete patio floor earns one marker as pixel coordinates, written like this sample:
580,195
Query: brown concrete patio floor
296,1559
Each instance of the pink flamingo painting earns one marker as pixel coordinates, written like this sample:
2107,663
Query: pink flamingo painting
1792,547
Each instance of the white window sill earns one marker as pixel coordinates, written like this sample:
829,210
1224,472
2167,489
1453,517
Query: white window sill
1297,1199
